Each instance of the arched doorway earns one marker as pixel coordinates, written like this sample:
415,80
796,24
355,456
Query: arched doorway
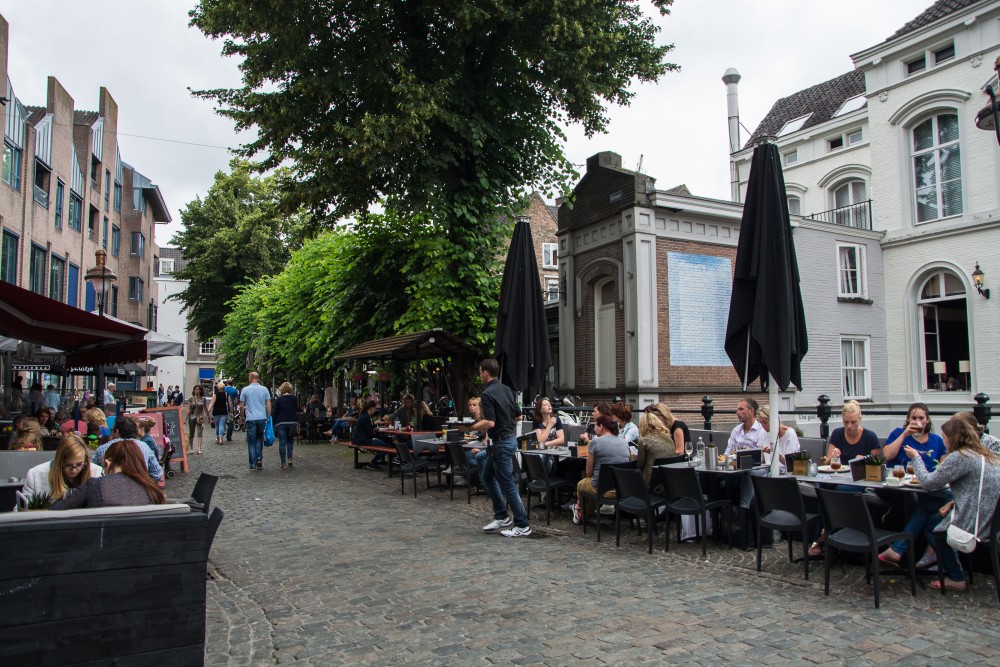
605,299
944,329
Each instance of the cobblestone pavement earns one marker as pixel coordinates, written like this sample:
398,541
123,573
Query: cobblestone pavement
325,565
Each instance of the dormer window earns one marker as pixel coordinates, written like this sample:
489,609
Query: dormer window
945,53
793,125
917,65
791,158
851,104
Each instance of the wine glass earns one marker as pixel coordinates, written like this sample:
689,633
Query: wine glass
688,448
899,472
835,463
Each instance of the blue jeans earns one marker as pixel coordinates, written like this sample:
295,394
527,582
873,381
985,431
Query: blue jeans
220,425
947,560
286,438
255,440
927,505
498,478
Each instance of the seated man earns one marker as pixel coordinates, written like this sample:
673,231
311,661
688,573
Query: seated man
606,447
127,429
748,434
364,434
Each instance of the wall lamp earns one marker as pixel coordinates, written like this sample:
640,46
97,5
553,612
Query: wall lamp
977,280
986,119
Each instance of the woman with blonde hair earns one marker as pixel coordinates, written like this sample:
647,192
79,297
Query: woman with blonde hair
97,417
654,442
285,415
852,440
126,481
28,437
677,429
67,471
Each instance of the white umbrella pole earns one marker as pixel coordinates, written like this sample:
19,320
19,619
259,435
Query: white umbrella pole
772,397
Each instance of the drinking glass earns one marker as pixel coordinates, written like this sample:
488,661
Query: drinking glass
688,448
909,469
899,472
835,463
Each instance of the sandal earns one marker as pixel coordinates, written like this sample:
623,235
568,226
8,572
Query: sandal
949,585
816,549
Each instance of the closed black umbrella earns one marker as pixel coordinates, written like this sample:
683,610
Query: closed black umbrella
766,333
522,334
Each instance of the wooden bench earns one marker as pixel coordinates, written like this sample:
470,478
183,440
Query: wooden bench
114,585
391,451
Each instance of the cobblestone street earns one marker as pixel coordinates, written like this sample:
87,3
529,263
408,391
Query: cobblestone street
325,565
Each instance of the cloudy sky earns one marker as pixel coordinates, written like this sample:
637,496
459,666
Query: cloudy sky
147,56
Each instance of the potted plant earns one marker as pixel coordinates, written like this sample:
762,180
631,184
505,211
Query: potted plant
874,468
39,501
799,462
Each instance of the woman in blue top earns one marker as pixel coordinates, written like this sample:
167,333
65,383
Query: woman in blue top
916,433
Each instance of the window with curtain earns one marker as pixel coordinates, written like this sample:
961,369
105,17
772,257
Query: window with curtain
937,168
851,269
849,200
854,368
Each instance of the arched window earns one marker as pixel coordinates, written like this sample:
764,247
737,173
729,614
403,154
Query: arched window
937,167
944,326
850,203
605,299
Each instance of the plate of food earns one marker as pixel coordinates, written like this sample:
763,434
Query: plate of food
831,470
913,481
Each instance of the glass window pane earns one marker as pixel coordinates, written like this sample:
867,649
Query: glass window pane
923,135
953,284
794,206
842,196
927,208
947,128
951,163
931,289
925,170
858,191
951,197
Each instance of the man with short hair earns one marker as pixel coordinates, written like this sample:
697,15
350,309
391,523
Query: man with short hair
748,434
255,400
233,398
109,395
178,396
499,412
52,397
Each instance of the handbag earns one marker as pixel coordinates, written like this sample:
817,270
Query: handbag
963,540
269,433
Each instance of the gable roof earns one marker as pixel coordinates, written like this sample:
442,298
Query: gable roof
938,10
87,118
35,114
821,101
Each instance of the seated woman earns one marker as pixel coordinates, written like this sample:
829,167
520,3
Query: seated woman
475,455
605,448
600,408
967,462
127,430
654,442
788,439
627,431
427,421
677,430
47,424
547,426
851,440
67,471
27,436
125,482
97,416
917,435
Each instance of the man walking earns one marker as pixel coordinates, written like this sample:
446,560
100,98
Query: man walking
499,410
233,398
255,400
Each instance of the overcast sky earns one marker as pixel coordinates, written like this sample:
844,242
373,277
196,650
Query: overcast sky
147,56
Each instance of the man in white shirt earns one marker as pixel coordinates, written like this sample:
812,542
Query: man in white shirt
749,434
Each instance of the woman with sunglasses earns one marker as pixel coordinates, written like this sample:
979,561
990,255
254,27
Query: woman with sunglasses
67,471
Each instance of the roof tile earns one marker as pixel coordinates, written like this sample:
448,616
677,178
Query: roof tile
938,10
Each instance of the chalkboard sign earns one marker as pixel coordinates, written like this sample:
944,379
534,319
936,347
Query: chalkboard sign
172,426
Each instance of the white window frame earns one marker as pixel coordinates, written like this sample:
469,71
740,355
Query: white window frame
865,370
930,58
798,204
850,214
550,255
936,149
794,125
166,267
551,294
206,348
791,157
857,132
861,279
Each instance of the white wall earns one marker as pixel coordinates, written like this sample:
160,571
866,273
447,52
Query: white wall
172,321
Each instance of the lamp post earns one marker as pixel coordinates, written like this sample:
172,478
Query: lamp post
99,277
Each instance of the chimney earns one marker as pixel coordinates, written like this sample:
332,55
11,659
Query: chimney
731,78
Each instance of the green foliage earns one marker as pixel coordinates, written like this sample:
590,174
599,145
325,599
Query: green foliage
874,460
232,237
39,501
798,456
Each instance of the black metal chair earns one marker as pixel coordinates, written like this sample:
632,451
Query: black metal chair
685,497
850,528
410,466
780,506
990,540
460,466
657,487
539,482
605,483
201,495
634,499
214,520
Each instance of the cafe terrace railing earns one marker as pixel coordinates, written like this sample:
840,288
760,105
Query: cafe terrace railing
856,215
823,410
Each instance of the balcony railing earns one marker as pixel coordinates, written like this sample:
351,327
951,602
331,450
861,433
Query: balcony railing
41,196
856,215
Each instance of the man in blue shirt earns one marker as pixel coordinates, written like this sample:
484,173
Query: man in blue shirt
255,400
233,397
52,397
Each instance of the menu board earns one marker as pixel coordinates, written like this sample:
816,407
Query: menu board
173,429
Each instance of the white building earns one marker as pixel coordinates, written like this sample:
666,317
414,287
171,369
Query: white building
893,146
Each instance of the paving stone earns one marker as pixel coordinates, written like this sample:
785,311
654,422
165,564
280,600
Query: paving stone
327,565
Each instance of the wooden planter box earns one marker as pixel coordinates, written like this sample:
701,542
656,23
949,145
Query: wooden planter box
874,473
799,467
113,588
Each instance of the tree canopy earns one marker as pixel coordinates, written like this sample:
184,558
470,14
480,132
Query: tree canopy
233,236
448,107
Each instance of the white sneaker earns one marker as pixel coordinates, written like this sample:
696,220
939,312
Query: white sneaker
517,532
607,509
577,515
498,523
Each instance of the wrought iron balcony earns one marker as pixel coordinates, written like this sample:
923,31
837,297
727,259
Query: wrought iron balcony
856,215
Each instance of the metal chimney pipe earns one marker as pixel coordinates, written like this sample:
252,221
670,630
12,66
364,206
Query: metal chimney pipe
731,78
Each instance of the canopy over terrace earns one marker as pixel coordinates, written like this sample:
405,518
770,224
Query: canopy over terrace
86,338
431,344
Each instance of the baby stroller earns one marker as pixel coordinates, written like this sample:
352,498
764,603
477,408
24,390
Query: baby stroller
168,453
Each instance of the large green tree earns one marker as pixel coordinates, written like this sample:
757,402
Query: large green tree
235,235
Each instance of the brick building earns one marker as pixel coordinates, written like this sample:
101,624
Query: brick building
65,194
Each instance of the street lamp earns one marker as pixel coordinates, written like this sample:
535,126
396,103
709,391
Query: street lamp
986,119
99,277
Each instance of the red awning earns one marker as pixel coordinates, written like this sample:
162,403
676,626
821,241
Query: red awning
86,338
